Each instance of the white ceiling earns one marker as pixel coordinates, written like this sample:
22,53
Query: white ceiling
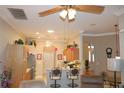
104,22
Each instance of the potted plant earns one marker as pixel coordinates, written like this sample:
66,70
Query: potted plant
87,65
5,79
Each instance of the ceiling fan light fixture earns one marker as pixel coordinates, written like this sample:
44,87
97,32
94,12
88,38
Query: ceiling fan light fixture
71,17
71,11
63,14
71,14
68,14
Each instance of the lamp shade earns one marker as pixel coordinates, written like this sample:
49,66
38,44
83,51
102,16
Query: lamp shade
71,14
63,14
122,64
114,64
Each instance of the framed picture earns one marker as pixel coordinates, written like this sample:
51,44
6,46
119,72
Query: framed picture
59,56
39,56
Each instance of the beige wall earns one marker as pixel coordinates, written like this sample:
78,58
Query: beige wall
121,22
7,35
121,27
100,44
76,39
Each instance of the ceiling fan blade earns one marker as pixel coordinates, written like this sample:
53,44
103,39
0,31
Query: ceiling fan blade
51,11
89,8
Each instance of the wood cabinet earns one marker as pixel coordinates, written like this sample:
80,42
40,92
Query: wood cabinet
17,62
71,54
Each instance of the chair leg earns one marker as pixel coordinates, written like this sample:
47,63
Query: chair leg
73,84
55,85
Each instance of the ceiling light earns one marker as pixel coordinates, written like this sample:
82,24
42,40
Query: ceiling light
71,14
48,43
50,31
63,14
37,33
88,46
68,14
92,47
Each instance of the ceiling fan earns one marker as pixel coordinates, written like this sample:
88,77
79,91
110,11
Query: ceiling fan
69,11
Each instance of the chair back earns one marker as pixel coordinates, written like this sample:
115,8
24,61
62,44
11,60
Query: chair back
56,72
75,72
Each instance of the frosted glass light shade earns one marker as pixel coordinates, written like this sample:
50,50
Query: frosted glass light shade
71,14
63,14
115,64
122,64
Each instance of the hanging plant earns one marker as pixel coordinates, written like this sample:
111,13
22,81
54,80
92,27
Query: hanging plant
86,65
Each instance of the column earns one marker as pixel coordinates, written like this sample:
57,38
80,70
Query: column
81,51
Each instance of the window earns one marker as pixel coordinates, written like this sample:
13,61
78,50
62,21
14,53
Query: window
91,53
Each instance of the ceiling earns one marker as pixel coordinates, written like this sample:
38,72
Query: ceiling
85,22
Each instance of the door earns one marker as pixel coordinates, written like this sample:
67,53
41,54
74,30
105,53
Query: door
49,57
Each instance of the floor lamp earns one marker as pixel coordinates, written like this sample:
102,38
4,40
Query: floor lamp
114,63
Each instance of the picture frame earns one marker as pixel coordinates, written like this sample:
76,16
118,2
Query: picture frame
39,56
59,56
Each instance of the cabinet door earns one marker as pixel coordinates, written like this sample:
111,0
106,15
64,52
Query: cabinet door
76,53
71,54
